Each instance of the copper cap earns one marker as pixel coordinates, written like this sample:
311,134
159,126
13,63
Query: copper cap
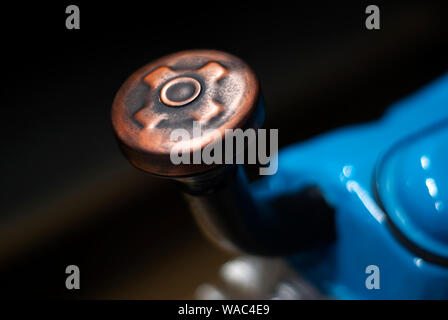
216,89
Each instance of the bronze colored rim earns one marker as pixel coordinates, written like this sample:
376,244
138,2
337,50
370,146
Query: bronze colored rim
180,81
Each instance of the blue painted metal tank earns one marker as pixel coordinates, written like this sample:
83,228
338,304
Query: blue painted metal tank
388,183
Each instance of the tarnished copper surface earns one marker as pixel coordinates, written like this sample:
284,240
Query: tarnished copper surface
215,88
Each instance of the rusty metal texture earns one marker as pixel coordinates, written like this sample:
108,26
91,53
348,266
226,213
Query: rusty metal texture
216,89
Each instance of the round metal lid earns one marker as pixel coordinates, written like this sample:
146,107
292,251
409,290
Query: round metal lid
211,88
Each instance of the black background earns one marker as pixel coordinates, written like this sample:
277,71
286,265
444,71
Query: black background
68,196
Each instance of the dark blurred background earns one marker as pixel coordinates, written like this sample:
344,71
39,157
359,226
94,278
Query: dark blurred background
68,196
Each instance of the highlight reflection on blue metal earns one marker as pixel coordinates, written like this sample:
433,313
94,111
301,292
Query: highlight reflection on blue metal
412,183
387,181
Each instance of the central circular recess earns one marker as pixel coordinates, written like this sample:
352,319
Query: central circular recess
180,91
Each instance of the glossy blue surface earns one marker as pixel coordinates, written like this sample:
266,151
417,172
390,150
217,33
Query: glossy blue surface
405,154
412,184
